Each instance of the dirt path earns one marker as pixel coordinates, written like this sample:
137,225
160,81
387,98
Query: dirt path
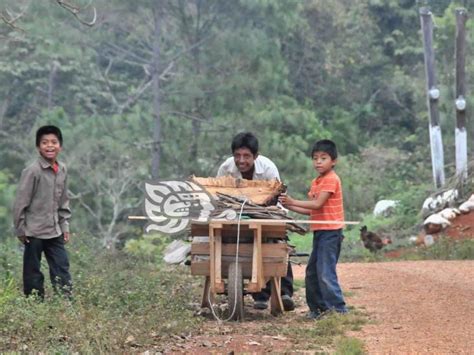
417,307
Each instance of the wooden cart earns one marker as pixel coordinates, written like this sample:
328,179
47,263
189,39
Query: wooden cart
263,256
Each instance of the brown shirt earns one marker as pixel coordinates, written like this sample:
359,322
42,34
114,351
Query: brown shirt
41,207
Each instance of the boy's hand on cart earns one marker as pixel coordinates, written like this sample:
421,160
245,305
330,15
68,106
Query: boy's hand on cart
23,239
66,237
285,200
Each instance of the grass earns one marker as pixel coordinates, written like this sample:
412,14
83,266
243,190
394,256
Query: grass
349,346
120,303
352,249
125,303
444,249
327,333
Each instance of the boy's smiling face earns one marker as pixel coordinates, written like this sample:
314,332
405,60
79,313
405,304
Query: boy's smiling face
49,147
322,162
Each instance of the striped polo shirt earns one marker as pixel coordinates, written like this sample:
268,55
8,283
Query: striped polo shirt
333,209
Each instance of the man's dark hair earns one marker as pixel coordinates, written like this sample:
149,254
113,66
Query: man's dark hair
48,130
245,140
326,146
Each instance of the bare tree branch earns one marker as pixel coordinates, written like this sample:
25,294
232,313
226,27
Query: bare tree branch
10,18
76,10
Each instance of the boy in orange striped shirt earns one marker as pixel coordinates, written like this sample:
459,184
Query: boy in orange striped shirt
325,203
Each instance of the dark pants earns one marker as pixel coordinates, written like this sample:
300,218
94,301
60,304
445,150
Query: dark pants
286,287
322,287
58,262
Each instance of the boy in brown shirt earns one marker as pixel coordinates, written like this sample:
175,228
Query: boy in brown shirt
41,215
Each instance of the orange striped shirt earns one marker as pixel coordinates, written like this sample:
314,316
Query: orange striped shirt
333,209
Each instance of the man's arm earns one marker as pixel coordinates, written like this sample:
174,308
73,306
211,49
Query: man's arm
225,168
221,171
24,194
271,171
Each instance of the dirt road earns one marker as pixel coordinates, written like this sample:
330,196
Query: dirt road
416,307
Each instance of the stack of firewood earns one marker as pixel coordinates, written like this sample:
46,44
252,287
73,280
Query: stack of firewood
254,211
260,198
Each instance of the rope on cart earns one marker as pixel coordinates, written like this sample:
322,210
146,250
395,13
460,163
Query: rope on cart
216,317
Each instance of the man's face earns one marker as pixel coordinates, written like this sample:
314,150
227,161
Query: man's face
49,147
244,159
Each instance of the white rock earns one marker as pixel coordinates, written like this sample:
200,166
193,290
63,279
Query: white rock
467,206
439,201
384,207
437,219
176,252
448,213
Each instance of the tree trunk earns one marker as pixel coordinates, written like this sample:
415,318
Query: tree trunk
156,147
196,53
51,83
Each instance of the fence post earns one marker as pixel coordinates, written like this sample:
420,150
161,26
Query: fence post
460,101
436,141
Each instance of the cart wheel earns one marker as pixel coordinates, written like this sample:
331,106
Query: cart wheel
235,291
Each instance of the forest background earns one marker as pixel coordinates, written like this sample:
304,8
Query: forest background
157,89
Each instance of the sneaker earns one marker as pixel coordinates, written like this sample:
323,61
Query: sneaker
260,304
288,303
314,315
324,314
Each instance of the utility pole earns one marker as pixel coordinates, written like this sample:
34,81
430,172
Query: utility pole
460,102
436,141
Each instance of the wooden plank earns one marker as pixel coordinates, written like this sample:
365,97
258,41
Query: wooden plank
205,294
201,268
255,260
276,304
218,251
268,249
212,260
199,230
266,221
256,191
253,287
260,257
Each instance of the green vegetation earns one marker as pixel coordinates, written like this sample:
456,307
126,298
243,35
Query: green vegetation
120,303
349,346
290,71
446,249
327,332
171,82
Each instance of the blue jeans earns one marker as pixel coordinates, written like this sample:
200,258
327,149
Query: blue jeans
322,287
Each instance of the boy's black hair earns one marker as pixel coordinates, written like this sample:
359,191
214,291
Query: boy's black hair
245,140
326,146
48,130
